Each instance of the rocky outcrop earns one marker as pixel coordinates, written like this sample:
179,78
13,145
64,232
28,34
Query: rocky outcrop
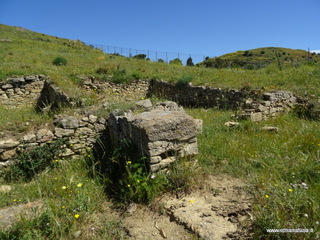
162,134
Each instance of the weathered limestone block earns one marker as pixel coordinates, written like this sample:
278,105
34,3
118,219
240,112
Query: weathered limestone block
159,134
145,104
44,135
7,155
85,131
9,143
68,122
61,132
30,137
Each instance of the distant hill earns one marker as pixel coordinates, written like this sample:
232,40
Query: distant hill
261,57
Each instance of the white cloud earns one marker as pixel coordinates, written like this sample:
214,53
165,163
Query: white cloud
316,51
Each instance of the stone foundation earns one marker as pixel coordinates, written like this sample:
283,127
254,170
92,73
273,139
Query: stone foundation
162,134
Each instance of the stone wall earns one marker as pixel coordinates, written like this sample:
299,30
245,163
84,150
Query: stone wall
162,134
255,105
21,91
82,133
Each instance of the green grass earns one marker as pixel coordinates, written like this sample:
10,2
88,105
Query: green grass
33,53
272,163
72,202
20,120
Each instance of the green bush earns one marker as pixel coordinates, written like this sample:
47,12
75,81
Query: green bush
176,61
137,75
34,161
60,61
184,81
190,62
140,56
120,76
102,70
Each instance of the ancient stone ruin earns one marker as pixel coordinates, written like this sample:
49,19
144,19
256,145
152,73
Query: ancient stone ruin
162,134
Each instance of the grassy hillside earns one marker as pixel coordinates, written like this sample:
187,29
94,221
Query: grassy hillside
25,52
281,169
262,57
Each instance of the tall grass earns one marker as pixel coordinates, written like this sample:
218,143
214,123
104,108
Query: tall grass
283,168
73,204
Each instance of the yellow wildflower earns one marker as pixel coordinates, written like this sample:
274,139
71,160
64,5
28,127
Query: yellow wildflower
267,196
191,201
290,190
77,216
80,185
64,187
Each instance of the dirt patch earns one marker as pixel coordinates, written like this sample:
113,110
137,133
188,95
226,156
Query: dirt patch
220,210
9,215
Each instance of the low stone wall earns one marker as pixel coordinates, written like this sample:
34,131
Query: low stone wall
256,106
81,132
125,92
21,91
269,105
199,96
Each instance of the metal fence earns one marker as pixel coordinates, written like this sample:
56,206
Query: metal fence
150,54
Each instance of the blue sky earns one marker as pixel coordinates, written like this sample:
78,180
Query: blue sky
206,27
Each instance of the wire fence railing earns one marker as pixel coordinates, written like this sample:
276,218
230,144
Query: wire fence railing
153,55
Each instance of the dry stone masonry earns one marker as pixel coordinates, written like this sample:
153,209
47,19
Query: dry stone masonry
161,134
81,133
19,91
256,106
271,104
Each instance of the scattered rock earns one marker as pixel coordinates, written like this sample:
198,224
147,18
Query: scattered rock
231,124
270,129
5,188
145,104
7,155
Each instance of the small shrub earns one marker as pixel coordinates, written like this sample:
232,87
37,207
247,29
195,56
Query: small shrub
184,81
262,52
129,176
60,61
102,70
34,161
140,56
120,76
160,60
137,75
190,62
176,61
